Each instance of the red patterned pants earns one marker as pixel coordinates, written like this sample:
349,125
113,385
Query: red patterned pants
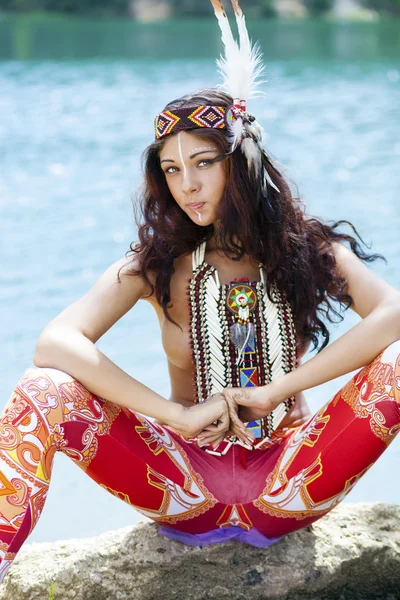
262,494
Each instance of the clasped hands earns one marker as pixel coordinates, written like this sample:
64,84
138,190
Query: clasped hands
236,407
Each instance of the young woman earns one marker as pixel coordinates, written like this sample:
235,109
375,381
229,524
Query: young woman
240,278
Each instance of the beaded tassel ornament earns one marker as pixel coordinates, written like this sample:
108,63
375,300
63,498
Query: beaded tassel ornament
266,348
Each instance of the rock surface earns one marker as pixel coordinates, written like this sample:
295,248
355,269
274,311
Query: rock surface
351,554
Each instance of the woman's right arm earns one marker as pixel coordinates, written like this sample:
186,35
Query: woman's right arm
68,343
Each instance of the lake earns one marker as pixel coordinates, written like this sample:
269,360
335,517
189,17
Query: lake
77,103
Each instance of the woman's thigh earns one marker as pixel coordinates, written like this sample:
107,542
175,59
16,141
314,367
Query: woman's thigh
125,452
323,460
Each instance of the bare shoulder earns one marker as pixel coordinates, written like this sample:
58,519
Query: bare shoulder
128,267
362,284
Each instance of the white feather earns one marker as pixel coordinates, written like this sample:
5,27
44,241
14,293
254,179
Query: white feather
268,178
235,134
226,64
256,129
251,65
241,66
252,153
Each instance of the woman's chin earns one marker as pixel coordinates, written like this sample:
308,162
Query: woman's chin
202,220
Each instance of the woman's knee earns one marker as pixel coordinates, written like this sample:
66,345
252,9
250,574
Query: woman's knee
391,357
55,375
41,390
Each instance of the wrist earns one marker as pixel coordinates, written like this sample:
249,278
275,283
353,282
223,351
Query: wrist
178,417
280,390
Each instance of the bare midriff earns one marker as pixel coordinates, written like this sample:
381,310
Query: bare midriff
176,341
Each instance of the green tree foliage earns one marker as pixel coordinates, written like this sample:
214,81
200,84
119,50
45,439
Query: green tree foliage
96,7
252,8
386,6
185,8
318,7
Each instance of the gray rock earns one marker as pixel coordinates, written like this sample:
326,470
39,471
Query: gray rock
351,554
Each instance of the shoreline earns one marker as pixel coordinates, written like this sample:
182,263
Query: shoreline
361,15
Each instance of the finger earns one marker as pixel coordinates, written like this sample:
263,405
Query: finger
241,431
217,442
236,422
210,437
211,441
244,437
247,438
243,434
210,427
233,415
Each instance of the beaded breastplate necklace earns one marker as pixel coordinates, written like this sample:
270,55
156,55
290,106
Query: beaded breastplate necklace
238,338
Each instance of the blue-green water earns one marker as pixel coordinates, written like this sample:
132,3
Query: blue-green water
76,109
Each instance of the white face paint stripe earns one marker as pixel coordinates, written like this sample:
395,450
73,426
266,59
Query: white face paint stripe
181,157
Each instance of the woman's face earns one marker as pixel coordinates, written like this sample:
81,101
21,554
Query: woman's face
195,183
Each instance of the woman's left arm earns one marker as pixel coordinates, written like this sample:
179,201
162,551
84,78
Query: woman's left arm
377,303
374,300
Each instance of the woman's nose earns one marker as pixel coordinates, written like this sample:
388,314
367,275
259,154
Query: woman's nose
190,184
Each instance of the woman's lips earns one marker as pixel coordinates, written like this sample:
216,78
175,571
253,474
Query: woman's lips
196,205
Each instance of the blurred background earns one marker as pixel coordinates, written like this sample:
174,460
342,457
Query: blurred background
81,82
159,10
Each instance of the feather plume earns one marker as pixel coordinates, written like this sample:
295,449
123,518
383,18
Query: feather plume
242,64
268,179
226,64
257,131
251,57
235,133
252,153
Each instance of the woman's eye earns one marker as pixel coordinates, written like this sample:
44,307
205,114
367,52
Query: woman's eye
202,163
168,171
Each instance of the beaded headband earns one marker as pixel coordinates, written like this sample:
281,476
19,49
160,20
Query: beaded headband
215,117
188,118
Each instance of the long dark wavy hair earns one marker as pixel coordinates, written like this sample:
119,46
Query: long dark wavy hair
274,229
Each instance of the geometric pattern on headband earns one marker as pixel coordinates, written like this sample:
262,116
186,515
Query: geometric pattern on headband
208,116
191,117
165,122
